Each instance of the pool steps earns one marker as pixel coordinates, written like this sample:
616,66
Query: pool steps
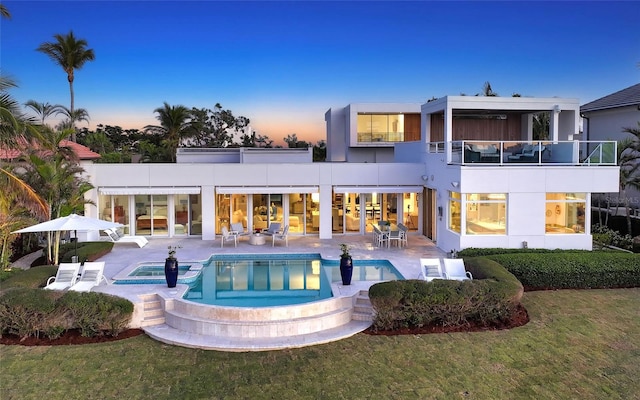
202,326
153,313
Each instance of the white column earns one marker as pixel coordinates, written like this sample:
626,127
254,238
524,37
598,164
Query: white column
325,212
208,213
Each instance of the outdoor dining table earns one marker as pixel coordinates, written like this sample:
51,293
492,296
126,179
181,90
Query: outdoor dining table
385,230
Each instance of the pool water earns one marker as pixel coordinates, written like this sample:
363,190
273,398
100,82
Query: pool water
277,279
157,270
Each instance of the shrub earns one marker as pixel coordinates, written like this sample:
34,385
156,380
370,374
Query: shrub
486,301
575,270
28,312
609,237
98,313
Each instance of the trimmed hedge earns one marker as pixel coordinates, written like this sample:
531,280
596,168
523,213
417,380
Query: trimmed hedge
31,312
481,252
488,300
87,251
573,270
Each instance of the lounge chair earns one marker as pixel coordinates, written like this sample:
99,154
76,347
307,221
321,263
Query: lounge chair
228,236
117,237
238,229
274,228
65,277
454,269
281,236
431,269
92,275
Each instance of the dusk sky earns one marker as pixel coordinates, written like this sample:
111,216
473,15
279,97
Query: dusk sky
284,64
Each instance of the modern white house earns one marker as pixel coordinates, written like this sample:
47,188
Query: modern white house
463,171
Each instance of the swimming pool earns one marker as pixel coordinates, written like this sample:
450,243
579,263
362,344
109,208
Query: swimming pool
260,280
153,273
277,279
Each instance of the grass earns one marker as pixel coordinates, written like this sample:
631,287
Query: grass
579,344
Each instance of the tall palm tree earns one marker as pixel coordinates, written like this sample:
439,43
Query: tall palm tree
175,124
4,12
44,110
71,54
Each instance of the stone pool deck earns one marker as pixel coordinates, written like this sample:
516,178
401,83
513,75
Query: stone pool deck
295,326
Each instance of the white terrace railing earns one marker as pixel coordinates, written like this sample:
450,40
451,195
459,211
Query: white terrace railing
544,152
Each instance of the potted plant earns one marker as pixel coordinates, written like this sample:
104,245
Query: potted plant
346,264
171,267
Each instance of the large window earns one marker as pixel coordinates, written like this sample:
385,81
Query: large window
486,214
565,212
380,128
455,207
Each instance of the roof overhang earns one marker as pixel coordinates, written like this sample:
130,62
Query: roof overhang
266,189
148,190
378,189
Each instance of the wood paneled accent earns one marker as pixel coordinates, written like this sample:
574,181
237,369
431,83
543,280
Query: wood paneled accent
437,128
412,127
470,128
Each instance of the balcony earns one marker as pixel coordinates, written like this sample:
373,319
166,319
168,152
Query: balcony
474,152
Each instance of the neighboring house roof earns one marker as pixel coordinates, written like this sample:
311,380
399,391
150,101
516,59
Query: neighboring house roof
83,152
623,98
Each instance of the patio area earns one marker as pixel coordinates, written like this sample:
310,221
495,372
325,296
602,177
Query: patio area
188,324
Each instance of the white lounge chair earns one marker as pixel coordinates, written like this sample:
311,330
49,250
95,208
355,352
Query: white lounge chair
117,237
227,235
431,269
65,277
282,236
92,275
454,269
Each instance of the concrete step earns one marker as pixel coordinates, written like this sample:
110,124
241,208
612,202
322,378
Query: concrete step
153,313
167,334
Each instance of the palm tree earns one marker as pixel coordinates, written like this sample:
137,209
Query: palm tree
44,110
541,126
79,114
174,125
18,200
4,12
12,121
629,161
71,54
18,204
487,91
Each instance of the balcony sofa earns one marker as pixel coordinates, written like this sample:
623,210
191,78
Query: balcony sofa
481,153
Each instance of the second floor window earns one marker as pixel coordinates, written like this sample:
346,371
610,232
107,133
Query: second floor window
374,128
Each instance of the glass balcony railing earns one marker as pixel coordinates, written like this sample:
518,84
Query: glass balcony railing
468,152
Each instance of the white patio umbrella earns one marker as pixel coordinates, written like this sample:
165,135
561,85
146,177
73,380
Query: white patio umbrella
73,222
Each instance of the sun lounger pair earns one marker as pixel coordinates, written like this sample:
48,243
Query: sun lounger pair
117,237
453,268
91,274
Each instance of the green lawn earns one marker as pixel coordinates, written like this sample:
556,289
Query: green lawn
578,345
